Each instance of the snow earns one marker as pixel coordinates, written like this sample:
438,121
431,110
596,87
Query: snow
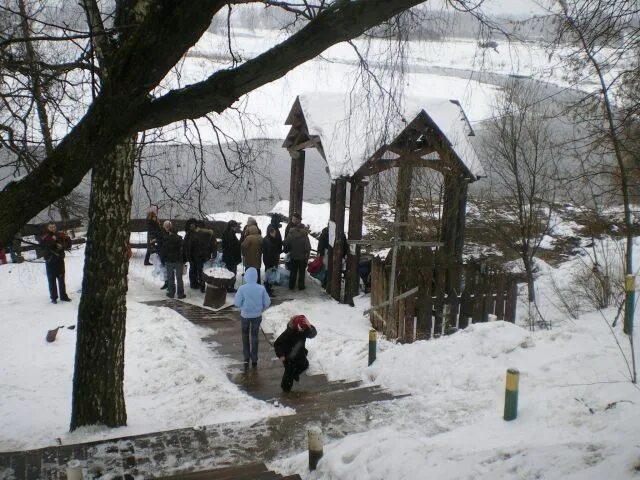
218,272
577,410
577,419
350,129
172,379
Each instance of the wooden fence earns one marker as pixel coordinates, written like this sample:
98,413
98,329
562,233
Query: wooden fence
449,298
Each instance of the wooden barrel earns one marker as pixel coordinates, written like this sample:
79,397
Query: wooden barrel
218,280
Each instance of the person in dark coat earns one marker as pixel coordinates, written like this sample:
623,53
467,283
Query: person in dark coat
202,247
231,249
323,242
299,248
290,349
154,231
252,249
173,258
296,218
189,229
271,249
276,224
323,250
54,244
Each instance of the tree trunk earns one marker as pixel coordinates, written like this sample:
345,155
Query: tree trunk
98,393
531,291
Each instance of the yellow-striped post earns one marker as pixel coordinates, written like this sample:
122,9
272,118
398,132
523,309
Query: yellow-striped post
511,394
373,340
630,298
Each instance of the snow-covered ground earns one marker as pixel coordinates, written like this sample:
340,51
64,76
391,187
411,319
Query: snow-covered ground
578,412
171,378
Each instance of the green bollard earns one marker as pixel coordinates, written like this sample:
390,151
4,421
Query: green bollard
314,435
373,337
630,298
511,395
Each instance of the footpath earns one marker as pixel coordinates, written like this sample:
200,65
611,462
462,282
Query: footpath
227,451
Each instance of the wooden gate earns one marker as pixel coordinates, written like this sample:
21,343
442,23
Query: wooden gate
449,298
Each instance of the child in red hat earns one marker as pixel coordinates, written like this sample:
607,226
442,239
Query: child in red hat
290,348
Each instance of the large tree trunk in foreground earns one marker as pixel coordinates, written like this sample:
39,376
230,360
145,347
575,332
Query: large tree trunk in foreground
98,393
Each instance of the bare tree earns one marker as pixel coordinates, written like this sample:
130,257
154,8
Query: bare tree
520,156
604,38
33,89
132,45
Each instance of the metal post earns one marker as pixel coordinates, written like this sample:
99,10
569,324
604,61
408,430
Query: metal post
373,340
511,394
315,446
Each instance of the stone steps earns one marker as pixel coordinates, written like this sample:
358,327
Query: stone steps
221,451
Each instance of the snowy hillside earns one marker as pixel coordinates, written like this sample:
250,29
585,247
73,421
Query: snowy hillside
578,412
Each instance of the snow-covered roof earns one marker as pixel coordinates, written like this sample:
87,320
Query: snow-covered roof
349,131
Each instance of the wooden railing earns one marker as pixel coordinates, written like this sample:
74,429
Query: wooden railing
448,298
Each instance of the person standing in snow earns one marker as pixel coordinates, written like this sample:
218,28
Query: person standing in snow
154,231
271,249
172,257
252,249
290,349
296,218
276,224
54,244
162,237
299,248
252,299
250,222
203,247
231,249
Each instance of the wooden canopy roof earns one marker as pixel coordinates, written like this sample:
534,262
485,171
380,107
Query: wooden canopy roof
357,142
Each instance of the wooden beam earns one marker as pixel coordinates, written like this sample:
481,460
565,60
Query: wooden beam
403,199
381,165
339,214
399,297
312,142
296,182
389,243
356,207
402,151
454,210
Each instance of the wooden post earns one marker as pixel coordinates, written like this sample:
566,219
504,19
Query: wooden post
332,217
453,216
356,205
338,246
296,182
403,199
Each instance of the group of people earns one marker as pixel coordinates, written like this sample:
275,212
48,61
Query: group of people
253,250
198,246
250,250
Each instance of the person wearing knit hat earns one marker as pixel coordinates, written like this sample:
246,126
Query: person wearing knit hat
290,349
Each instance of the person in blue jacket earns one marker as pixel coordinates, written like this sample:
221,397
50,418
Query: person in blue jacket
252,299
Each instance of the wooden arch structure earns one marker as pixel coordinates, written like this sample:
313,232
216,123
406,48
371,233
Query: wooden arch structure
427,133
